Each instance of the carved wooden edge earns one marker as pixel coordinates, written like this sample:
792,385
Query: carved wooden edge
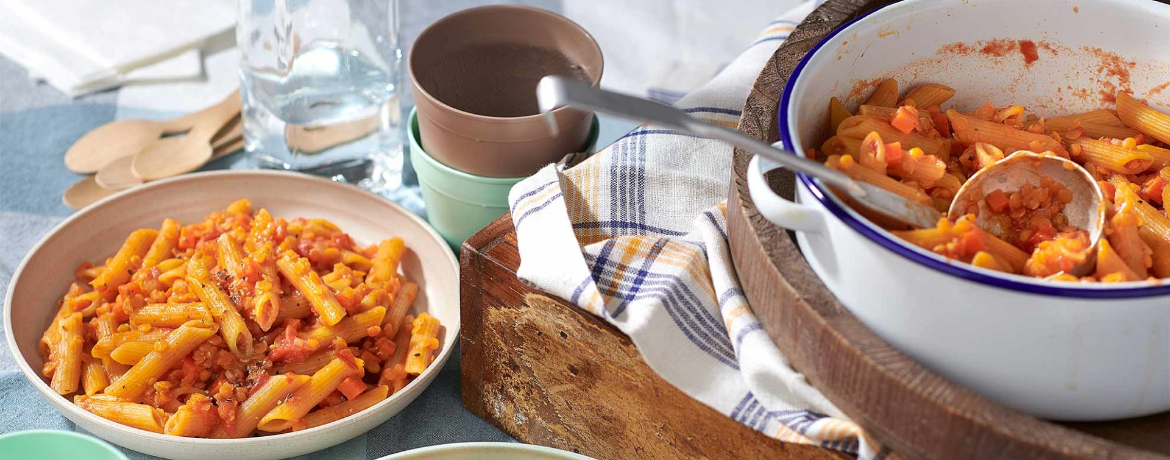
902,404
625,412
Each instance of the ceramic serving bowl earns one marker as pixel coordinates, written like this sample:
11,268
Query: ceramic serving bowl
1065,351
486,451
96,232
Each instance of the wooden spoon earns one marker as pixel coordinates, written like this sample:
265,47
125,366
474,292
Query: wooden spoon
119,174
84,193
1086,211
114,140
176,155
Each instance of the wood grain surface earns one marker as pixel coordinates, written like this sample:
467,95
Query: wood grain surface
916,412
550,374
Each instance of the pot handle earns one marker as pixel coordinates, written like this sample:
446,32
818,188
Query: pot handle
776,209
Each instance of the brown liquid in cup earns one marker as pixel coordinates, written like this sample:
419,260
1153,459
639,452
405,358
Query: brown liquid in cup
496,79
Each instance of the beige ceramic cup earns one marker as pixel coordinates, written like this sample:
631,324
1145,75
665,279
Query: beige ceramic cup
498,146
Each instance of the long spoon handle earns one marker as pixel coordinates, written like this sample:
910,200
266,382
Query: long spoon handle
555,88
207,122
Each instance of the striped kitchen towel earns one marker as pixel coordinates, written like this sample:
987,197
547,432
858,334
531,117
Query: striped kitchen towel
637,235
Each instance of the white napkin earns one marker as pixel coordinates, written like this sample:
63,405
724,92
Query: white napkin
81,46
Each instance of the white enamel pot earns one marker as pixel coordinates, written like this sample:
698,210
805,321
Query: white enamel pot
1065,351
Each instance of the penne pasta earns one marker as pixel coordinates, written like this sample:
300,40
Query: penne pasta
301,275
94,378
1115,158
231,257
266,303
423,342
171,315
837,114
323,382
1141,117
860,126
1100,116
385,262
106,345
394,375
1091,129
141,416
67,374
231,325
885,95
275,390
916,151
345,409
128,258
928,94
969,130
1159,156
356,261
403,299
177,346
309,365
1004,251
1110,264
166,339
850,168
130,353
294,306
164,243
350,328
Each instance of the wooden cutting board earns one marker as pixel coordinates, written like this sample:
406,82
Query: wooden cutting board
550,374
918,413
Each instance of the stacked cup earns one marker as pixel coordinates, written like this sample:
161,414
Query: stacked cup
477,129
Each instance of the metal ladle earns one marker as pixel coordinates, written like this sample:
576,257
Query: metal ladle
1086,211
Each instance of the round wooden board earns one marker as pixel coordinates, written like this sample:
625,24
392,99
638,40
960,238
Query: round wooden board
914,411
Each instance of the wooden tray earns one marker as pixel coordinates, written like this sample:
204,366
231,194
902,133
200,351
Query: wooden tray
916,412
550,374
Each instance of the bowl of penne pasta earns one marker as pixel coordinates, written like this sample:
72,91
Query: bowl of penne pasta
234,314
917,97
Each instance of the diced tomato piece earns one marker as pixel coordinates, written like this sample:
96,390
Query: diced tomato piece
289,347
346,357
971,243
998,201
894,154
333,399
905,119
1107,189
941,123
1152,189
352,387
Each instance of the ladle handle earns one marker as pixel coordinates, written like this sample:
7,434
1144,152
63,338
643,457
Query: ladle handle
565,91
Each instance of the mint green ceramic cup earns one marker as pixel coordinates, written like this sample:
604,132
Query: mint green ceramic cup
460,204
54,444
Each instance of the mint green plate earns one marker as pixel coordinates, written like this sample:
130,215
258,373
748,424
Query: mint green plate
53,445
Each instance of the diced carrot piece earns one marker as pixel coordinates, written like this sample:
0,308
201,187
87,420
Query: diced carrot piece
894,154
352,387
1152,189
998,201
905,119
